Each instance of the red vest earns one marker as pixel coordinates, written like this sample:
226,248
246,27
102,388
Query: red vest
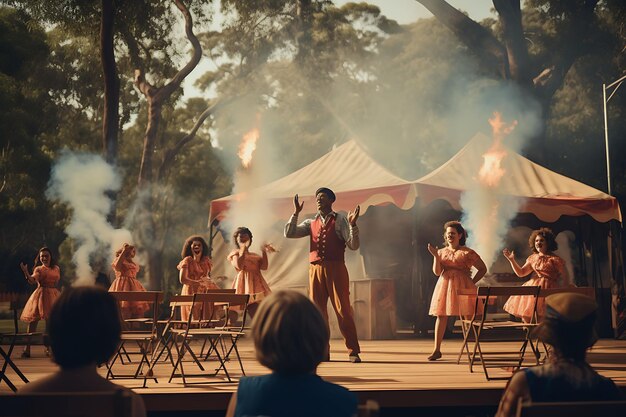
325,244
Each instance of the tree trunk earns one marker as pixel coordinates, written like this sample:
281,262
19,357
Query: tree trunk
111,117
155,97
147,224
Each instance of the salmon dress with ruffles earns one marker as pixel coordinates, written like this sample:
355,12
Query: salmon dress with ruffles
249,279
43,298
457,274
126,280
194,284
548,271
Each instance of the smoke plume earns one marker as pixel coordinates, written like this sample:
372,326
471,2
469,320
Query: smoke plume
81,181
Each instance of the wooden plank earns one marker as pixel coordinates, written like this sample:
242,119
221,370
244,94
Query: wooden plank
396,373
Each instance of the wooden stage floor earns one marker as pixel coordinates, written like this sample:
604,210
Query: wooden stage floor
394,372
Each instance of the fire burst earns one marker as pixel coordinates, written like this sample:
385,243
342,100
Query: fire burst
248,146
491,172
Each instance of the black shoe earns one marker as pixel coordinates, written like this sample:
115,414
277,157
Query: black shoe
354,358
434,356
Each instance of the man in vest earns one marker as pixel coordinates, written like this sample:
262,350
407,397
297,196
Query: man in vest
329,233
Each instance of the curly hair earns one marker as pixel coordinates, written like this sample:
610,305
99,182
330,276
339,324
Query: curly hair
241,231
187,246
120,250
53,261
547,234
459,228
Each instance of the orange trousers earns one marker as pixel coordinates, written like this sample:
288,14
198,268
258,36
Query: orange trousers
329,279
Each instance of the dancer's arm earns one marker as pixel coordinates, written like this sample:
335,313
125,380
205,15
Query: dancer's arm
239,257
30,278
437,268
184,277
520,271
482,270
117,262
265,248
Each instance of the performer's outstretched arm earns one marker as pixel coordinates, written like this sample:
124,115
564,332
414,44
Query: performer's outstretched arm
349,233
292,228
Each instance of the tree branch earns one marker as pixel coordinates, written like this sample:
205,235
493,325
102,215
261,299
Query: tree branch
517,53
170,154
477,38
551,79
175,82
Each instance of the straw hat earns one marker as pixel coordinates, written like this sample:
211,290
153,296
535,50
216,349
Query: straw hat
569,321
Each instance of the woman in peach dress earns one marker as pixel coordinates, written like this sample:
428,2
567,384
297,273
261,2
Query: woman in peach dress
453,264
46,275
249,265
549,272
195,268
126,280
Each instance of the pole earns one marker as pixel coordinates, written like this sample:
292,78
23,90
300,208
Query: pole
617,83
606,141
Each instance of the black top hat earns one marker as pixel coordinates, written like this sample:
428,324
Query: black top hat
326,191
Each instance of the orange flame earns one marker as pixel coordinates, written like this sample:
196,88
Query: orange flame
248,146
491,172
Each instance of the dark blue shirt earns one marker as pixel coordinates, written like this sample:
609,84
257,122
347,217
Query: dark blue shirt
307,395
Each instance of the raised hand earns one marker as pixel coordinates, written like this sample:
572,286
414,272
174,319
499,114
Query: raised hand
24,268
354,215
508,254
297,205
433,250
268,247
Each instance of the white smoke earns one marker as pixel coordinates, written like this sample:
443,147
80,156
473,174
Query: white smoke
81,181
252,209
487,215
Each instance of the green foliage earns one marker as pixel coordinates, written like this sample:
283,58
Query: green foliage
26,115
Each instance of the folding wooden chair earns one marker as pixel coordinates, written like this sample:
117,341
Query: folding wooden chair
166,337
12,339
116,403
145,340
483,329
572,409
211,335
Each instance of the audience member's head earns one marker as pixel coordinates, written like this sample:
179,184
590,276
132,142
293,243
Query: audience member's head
84,327
568,325
290,335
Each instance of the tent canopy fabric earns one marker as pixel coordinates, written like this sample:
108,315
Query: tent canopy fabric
348,170
545,193
357,179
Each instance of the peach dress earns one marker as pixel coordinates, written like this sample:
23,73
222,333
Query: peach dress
457,273
549,270
42,299
249,279
126,280
194,285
